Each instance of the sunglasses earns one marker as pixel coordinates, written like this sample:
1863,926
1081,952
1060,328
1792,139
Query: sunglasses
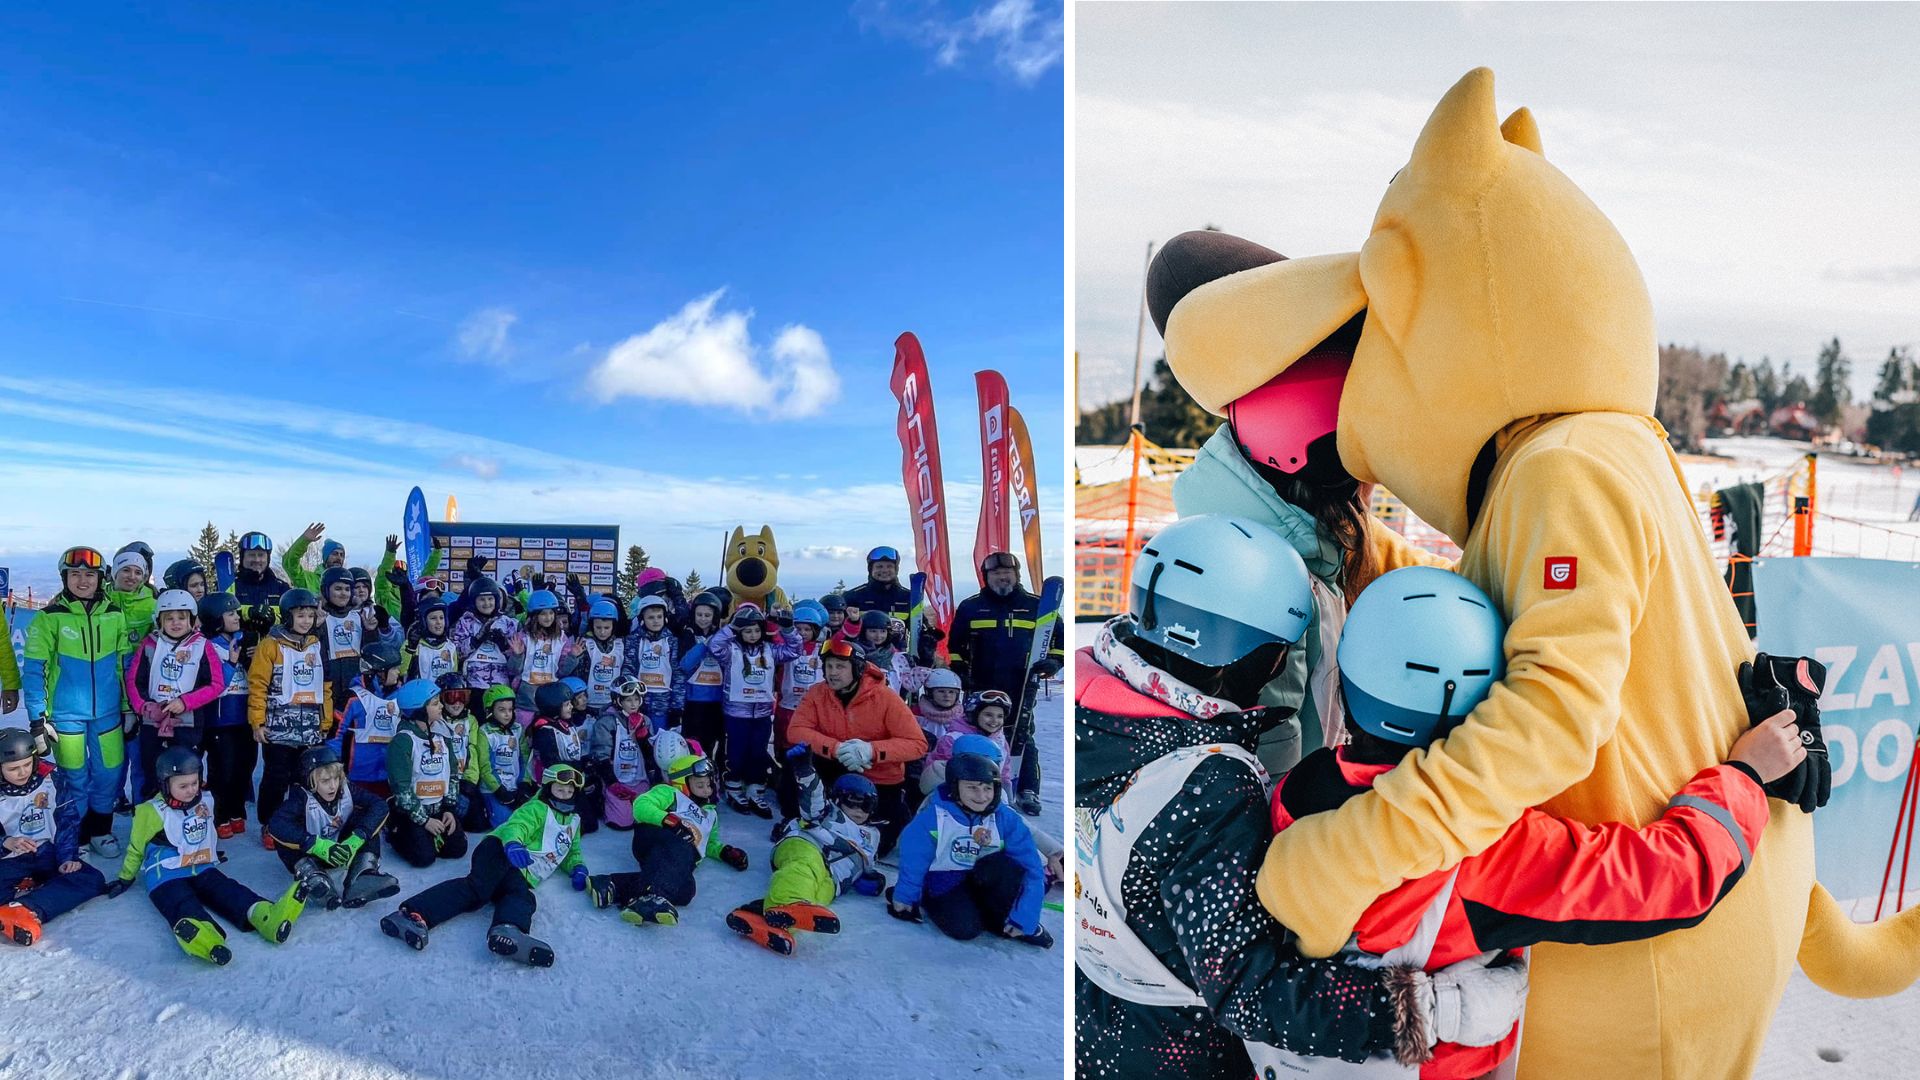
82,558
1000,560
255,541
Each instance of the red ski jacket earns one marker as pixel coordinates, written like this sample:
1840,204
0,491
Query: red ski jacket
1550,879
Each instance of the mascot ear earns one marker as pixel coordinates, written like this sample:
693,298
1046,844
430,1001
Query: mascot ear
1461,141
1390,272
1521,130
739,538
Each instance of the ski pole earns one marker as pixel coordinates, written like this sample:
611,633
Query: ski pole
1900,819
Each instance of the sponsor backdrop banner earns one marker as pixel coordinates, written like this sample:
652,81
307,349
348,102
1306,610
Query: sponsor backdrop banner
1856,617
592,551
920,473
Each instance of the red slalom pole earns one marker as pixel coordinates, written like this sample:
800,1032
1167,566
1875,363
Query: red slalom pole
1902,818
1906,855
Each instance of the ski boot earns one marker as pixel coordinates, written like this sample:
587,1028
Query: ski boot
319,885
274,920
106,846
747,921
737,798
366,882
407,927
516,944
19,924
1039,937
227,830
200,938
1028,803
600,890
758,799
800,915
649,908
266,838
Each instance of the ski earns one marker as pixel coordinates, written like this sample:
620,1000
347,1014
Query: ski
223,571
1046,618
917,607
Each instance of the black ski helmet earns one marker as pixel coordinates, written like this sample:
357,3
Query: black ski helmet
16,744
548,700
213,608
179,571
176,761
971,766
256,541
140,547
334,575
833,602
294,599
875,620
850,651
379,656
317,757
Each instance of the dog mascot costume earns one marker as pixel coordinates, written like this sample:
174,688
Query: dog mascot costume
1503,387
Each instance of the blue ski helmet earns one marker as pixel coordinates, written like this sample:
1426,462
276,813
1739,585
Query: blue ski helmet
809,612
1211,589
603,609
976,744
573,685
642,605
176,575
413,695
542,600
1422,647
856,791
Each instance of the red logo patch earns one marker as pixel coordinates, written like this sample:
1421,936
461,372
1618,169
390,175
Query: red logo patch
1563,572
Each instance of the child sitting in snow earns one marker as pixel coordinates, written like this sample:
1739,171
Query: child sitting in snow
971,861
175,852
622,752
458,725
39,843
675,825
825,851
498,762
423,826
328,824
542,836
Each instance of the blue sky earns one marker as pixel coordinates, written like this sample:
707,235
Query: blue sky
571,265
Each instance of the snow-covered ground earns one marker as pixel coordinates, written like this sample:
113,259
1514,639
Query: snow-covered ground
1862,505
107,994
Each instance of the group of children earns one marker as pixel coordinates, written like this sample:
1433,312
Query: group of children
499,727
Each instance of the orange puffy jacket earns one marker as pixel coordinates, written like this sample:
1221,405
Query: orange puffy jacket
876,714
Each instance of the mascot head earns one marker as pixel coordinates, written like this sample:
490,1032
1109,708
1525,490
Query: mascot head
1493,291
752,566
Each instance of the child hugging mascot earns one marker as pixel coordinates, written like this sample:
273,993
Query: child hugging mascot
1503,386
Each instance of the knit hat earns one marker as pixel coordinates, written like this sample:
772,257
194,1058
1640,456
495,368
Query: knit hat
129,558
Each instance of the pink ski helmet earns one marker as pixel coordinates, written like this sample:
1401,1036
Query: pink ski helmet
1275,423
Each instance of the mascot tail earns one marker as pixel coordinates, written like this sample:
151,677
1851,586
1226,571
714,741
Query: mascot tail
1859,960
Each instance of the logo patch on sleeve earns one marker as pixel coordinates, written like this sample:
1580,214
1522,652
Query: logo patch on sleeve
1563,572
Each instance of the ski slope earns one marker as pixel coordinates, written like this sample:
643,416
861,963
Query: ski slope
107,993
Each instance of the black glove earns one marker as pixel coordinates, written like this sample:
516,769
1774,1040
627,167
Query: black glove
912,914
783,619
1772,683
539,581
382,618
393,544
476,566
499,638
733,857
673,824
800,760
1046,669
673,719
115,888
932,633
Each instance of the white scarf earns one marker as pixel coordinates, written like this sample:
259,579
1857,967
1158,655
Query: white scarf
1133,670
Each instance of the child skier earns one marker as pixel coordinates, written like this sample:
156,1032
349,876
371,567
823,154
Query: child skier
485,634
187,576
175,853
825,851
435,654
750,650
289,701
543,646
704,681
969,858
652,655
876,637
556,738
801,672
460,726
423,826
622,752
371,718
342,628
542,836
173,685
498,762
231,751
39,844
328,824
940,704
986,716
675,825
1547,878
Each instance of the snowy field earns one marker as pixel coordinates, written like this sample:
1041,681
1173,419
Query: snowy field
107,993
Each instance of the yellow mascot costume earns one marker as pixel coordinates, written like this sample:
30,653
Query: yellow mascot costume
1503,386
752,569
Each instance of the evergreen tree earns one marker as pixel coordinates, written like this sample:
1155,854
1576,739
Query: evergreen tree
205,548
693,581
231,545
636,562
1896,377
1766,385
1167,415
1794,389
1740,383
1831,392
840,586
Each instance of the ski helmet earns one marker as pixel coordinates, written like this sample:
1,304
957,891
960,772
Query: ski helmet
359,576
175,600
977,744
990,697
607,609
883,554
542,600
317,757
413,696
1211,589
498,692
841,649
833,602
669,745
140,548
550,699
1276,422
943,679
711,599
213,609
331,576
16,744
82,558
1000,560
379,656
686,767
482,583
256,541
433,603
1421,647
181,572
628,686
294,599
748,614
453,688
981,768
562,773
856,791
176,761
809,613
875,620
574,685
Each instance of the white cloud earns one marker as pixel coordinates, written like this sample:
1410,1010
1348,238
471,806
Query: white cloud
484,335
485,468
826,551
703,355
1025,42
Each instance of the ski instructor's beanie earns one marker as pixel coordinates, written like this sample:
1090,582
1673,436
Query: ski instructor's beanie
128,558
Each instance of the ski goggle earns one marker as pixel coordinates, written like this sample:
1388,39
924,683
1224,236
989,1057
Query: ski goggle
700,767
866,802
256,541
999,560
83,558
454,695
883,554
564,774
992,697
627,687
841,648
